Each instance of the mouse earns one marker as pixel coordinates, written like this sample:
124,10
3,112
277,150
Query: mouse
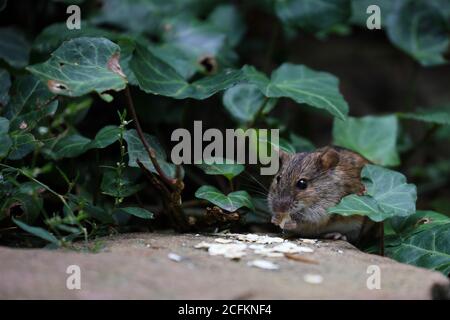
308,183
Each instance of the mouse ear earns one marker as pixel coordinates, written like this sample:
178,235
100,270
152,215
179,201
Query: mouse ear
329,158
283,155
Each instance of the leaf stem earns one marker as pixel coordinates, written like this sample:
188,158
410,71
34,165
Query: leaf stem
151,152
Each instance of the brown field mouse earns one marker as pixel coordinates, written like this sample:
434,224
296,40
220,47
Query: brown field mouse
309,183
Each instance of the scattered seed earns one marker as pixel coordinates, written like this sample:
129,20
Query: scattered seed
263,264
309,241
175,257
313,278
289,247
222,240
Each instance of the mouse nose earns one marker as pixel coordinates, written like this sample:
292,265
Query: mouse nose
281,205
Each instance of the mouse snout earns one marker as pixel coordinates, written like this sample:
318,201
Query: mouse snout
280,205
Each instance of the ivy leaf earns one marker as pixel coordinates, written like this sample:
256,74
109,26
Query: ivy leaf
120,186
54,35
265,141
157,77
14,48
229,171
301,144
438,115
387,195
235,26
244,101
82,65
314,15
30,119
137,212
419,221
5,84
303,85
75,144
28,196
373,137
196,39
22,145
147,16
136,150
36,231
420,29
232,202
70,146
105,137
361,205
422,239
29,96
5,140
390,189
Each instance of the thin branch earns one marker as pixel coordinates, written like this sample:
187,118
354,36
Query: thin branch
151,152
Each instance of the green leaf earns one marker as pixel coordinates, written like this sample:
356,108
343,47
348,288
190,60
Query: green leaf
244,101
313,15
138,212
303,85
29,96
137,151
30,119
74,145
229,171
82,65
422,240
5,84
265,142
419,221
14,48
197,39
147,16
235,26
37,231
387,195
157,77
28,197
54,35
420,29
301,144
70,146
438,115
360,205
22,145
105,137
232,202
5,140
373,137
120,186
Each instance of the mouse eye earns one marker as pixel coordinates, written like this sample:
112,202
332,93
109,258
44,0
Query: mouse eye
278,179
302,184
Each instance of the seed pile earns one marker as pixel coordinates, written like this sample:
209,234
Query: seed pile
236,246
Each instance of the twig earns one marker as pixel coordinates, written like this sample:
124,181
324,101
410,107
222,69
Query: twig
151,152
